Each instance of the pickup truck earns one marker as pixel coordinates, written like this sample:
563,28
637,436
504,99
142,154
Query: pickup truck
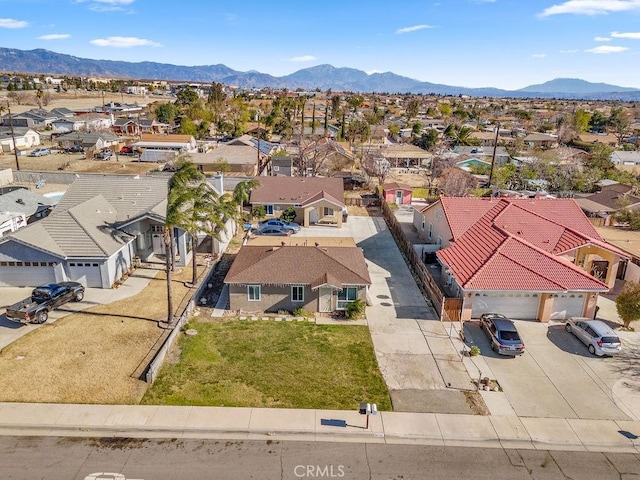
43,299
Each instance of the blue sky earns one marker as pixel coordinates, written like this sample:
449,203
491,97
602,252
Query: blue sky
507,44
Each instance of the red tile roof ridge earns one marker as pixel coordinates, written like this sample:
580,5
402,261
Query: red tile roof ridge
521,205
556,258
600,243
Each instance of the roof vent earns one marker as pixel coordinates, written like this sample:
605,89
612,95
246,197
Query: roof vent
20,201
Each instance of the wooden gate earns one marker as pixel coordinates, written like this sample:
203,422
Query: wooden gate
452,309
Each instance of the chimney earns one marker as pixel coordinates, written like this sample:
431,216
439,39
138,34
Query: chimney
218,183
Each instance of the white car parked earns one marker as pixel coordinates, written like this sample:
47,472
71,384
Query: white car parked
599,337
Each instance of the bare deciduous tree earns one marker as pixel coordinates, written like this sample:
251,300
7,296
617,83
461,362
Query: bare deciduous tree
455,182
376,166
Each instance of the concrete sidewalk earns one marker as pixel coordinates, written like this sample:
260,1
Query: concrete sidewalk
311,425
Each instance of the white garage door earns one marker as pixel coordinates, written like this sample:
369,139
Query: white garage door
565,306
86,273
26,276
518,306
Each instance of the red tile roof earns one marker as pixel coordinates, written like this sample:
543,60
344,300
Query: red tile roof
299,265
515,243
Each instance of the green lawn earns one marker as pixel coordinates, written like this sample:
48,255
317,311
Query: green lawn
272,364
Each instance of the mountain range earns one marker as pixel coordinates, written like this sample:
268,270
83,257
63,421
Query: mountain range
321,77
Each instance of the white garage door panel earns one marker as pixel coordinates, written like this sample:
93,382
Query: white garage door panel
87,276
26,276
566,306
519,307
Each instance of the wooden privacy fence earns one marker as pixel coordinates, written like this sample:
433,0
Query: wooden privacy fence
450,309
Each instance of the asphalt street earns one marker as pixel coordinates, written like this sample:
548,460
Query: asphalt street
53,458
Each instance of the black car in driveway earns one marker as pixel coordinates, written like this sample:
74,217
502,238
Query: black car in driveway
43,299
502,333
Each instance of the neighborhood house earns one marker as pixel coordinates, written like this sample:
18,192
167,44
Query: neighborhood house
285,278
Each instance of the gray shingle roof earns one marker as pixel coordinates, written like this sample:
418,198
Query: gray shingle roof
82,231
84,223
23,201
130,196
297,190
299,265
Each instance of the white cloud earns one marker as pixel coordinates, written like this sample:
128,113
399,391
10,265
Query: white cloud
414,28
539,55
124,42
605,49
303,58
591,7
601,39
371,72
12,23
633,35
54,36
569,51
107,5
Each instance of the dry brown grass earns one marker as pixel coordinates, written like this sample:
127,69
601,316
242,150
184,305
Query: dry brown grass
90,356
76,164
81,99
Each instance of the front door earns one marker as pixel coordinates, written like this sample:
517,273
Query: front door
325,299
399,197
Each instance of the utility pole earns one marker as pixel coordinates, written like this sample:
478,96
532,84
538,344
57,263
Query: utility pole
493,157
13,137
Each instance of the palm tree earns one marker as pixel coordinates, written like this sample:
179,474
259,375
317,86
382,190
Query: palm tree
204,212
242,193
178,196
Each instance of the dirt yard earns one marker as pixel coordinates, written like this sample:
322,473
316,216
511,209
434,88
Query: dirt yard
93,356
80,99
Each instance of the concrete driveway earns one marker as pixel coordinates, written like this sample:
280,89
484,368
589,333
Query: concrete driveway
10,331
419,361
557,377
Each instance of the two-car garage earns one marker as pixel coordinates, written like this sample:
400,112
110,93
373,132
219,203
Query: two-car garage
527,306
513,305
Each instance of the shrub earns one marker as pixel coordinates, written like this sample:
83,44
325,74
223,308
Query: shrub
355,309
628,303
288,214
301,312
474,351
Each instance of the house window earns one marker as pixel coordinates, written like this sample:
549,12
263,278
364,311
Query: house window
269,209
423,224
253,293
440,241
430,230
297,293
346,296
438,214
157,228
327,211
276,168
